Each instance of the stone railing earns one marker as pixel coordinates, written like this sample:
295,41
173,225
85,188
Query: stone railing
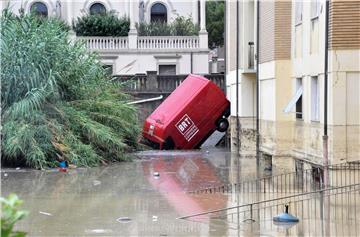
142,43
160,83
168,42
105,43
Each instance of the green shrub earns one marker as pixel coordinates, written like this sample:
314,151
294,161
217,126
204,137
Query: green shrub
10,214
181,26
106,24
58,103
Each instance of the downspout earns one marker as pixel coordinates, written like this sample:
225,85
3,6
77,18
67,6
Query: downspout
325,136
238,125
257,83
191,62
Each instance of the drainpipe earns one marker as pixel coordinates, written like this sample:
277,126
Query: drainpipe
257,83
191,62
325,137
238,125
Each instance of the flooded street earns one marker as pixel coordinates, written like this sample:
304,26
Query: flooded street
146,197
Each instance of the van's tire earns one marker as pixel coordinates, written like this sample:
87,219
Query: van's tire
169,144
222,125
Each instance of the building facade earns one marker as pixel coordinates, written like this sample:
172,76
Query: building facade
135,54
291,79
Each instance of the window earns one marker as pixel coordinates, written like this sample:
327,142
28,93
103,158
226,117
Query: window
158,13
108,69
299,108
315,99
97,8
39,9
298,12
167,69
296,100
315,8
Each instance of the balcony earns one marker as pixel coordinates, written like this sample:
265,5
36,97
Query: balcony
143,43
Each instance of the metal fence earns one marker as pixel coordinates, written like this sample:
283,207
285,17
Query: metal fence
332,205
164,83
299,181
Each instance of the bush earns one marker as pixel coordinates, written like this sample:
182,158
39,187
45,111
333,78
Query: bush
10,214
58,103
106,24
181,26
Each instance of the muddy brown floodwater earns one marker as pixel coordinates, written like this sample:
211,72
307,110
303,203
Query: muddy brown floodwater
145,198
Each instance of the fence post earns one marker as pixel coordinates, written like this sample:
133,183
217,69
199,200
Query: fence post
151,82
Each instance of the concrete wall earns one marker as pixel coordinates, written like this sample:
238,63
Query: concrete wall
132,62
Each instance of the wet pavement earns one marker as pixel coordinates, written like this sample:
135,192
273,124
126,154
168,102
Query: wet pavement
145,198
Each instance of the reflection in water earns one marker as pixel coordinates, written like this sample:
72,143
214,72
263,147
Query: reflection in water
90,201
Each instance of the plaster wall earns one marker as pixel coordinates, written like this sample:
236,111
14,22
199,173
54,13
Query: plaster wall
135,62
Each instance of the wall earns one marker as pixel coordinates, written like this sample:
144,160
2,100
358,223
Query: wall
72,9
129,63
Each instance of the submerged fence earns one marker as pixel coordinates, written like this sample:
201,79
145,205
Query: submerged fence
332,206
325,199
299,181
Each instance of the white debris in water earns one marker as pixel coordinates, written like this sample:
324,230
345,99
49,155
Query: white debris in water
98,231
45,213
154,218
156,174
124,219
96,182
5,174
17,168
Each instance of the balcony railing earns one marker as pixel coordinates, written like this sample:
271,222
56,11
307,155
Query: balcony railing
106,43
142,43
168,42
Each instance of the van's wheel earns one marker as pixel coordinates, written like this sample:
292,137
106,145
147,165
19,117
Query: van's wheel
222,125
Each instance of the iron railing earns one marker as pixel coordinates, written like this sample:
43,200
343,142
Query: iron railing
165,83
299,181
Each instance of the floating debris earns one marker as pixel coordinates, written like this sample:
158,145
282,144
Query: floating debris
156,174
124,219
45,213
285,217
96,182
154,218
17,168
5,175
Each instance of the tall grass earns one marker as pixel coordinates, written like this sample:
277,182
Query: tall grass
57,102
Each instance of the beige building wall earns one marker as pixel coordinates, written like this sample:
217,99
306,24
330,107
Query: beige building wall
343,81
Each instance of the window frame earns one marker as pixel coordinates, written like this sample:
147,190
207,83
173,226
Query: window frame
166,12
299,7
315,102
97,13
32,5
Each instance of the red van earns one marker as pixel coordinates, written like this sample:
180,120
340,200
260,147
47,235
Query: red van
188,116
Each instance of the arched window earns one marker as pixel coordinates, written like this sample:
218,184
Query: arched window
39,9
158,13
97,8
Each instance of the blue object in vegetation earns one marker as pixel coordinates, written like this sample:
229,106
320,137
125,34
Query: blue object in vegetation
63,164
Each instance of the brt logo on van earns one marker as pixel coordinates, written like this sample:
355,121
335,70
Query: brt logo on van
187,127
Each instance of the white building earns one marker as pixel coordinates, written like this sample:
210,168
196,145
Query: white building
135,54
